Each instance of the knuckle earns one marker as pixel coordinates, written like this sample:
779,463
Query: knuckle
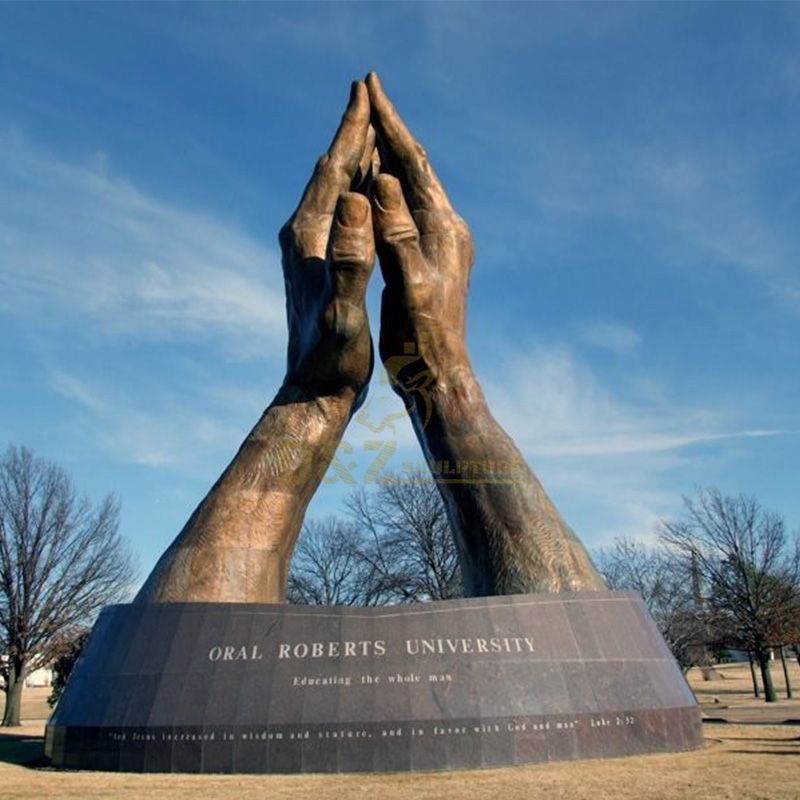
344,318
351,256
461,228
309,240
346,163
421,292
433,220
339,165
400,233
322,162
352,247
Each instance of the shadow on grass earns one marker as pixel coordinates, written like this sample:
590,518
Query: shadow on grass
770,739
22,749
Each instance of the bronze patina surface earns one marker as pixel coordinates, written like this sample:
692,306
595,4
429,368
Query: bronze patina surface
237,545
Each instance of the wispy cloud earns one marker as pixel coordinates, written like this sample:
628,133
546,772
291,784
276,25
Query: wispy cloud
553,405
609,335
706,206
791,74
698,197
614,462
79,242
711,202
159,432
605,498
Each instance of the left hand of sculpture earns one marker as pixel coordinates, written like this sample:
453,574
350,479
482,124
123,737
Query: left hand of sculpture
237,545
328,252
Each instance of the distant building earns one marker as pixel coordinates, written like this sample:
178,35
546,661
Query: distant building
732,654
39,677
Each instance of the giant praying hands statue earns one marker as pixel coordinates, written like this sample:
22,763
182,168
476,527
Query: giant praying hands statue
373,190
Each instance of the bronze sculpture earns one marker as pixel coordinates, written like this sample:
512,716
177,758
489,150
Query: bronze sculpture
237,545
190,680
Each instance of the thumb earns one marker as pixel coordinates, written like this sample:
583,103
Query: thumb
396,234
351,247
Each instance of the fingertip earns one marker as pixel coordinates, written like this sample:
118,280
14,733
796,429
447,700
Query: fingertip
387,192
375,87
351,245
359,97
352,210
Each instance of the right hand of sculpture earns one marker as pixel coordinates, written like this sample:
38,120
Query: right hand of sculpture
426,255
328,254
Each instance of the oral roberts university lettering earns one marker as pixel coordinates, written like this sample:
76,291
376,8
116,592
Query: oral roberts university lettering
378,647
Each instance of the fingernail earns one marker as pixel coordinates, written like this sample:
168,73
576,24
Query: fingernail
352,210
356,88
388,193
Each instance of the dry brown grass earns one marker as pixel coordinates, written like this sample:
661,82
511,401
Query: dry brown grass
734,687
738,762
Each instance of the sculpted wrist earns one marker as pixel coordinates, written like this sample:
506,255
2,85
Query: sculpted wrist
447,404
426,368
331,400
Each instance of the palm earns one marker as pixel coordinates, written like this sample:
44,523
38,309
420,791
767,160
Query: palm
328,253
413,318
329,339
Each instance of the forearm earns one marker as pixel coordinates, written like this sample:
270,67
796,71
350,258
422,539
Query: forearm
237,545
510,535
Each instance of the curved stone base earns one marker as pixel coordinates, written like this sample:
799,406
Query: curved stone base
483,682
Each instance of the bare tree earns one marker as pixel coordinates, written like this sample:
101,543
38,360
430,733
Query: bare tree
329,567
787,628
743,556
61,560
395,547
664,581
791,624
410,543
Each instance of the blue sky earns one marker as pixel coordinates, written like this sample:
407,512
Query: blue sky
630,172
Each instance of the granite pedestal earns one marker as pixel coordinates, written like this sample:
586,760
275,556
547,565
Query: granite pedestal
481,682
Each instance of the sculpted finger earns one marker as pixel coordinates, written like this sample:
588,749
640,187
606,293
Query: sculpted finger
365,172
334,173
337,168
403,155
347,147
376,161
396,234
352,248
